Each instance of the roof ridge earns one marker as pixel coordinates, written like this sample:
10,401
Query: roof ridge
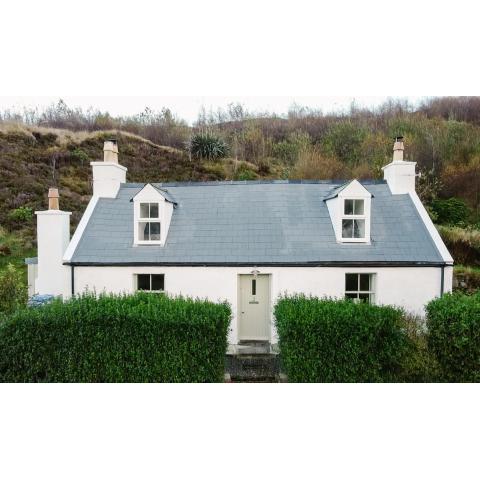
250,182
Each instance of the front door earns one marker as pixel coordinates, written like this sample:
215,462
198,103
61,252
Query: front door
254,304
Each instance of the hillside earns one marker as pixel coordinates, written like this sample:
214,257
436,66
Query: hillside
32,159
443,137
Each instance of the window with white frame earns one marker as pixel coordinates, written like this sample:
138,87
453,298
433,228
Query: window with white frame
150,282
149,223
353,219
360,287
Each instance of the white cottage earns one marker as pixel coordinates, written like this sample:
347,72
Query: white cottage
247,242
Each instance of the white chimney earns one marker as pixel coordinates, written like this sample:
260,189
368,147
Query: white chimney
108,175
53,237
399,174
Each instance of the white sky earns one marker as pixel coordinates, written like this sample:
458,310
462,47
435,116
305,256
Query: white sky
187,107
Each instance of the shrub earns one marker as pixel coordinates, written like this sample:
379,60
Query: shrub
139,338
454,335
207,146
323,340
80,155
463,244
313,164
21,214
419,364
466,279
451,212
13,291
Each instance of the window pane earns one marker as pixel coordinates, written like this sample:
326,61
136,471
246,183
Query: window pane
351,296
347,228
154,230
143,282
146,231
348,207
364,297
254,287
154,210
144,210
143,231
358,207
158,282
365,282
359,228
351,282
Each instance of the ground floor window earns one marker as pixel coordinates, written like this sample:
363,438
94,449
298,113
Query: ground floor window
151,282
360,287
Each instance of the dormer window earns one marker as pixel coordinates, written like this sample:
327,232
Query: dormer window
149,223
350,206
353,220
152,214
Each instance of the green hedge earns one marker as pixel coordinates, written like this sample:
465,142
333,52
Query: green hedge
454,335
324,340
139,338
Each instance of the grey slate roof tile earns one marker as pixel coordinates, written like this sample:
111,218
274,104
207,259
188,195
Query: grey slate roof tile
256,223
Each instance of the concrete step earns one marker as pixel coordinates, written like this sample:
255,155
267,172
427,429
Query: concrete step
253,367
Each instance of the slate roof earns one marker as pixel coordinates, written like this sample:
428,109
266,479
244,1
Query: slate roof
256,223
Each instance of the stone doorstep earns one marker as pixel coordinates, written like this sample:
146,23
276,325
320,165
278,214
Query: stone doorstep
253,348
279,378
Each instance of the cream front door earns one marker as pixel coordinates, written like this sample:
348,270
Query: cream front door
254,305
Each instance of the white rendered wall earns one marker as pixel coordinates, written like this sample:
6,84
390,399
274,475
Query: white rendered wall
32,275
400,176
407,287
107,178
53,236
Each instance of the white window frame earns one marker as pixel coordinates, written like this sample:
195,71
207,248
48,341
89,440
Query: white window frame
372,292
150,275
149,220
354,217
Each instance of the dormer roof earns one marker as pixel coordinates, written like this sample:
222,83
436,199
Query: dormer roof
164,193
345,187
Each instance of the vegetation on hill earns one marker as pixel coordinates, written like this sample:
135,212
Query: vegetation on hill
54,147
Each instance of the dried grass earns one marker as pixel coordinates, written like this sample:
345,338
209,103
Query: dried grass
65,137
312,164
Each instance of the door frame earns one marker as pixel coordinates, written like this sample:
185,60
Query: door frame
268,319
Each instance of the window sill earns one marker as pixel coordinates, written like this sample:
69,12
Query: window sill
145,242
354,240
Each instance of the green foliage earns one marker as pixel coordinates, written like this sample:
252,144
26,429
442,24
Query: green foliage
454,335
451,212
245,173
207,146
80,155
13,291
21,214
323,340
289,149
344,141
463,244
140,338
466,279
419,364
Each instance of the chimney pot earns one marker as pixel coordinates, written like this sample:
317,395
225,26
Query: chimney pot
398,148
110,151
53,203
